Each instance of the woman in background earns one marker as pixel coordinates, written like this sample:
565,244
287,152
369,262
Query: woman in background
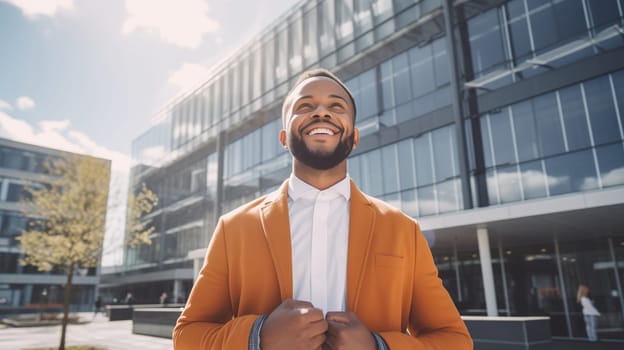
590,314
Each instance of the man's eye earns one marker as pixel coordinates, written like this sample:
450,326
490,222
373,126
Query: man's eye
304,106
336,105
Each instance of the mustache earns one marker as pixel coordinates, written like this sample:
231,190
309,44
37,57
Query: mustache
316,121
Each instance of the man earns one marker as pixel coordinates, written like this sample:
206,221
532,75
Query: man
318,264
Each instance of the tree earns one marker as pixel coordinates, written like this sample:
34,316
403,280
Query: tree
138,229
70,211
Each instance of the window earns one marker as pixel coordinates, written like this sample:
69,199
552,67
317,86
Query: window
409,203
486,41
508,184
295,47
502,138
387,87
543,26
281,62
327,36
424,166
575,120
422,70
548,125
370,167
618,84
447,196
601,109
8,262
611,164
533,180
15,192
407,177
526,134
603,13
571,172
268,50
344,21
401,79
256,73
390,169
427,204
367,97
445,165
518,30
310,32
441,63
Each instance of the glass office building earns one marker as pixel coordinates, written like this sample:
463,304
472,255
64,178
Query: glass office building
505,141
23,289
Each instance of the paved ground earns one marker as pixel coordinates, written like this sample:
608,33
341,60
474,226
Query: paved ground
118,335
586,345
115,335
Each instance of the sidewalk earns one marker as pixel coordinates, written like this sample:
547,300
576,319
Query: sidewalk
586,345
116,335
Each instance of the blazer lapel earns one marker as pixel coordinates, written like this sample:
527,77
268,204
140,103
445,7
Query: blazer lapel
276,227
361,223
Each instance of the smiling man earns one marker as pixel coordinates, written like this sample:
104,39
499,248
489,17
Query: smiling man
318,264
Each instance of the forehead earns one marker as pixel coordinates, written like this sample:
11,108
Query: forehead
319,87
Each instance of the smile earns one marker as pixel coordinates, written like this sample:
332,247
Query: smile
321,131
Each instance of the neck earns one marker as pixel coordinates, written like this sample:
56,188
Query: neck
320,179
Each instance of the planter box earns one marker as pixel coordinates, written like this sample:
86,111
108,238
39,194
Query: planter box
509,333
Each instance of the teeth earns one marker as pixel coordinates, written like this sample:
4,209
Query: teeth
321,131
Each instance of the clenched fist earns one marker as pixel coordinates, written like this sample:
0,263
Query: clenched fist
294,325
346,331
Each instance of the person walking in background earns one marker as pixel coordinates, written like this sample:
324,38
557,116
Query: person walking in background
590,313
98,305
163,298
129,299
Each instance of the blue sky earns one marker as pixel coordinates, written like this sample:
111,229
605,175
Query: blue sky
88,75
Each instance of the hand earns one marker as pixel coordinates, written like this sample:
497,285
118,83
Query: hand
346,331
293,325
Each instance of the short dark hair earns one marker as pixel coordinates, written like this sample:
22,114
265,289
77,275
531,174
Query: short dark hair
314,73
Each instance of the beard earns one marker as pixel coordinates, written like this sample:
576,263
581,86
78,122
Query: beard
320,159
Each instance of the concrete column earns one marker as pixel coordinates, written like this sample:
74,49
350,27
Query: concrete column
221,161
197,263
486,271
177,290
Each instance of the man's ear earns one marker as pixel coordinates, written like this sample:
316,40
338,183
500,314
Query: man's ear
282,138
356,137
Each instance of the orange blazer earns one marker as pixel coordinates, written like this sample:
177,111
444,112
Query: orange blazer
392,282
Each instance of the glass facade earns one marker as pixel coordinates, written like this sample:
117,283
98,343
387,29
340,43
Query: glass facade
556,143
541,92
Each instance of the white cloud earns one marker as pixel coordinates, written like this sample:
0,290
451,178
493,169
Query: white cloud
178,22
38,8
25,102
4,105
188,76
613,177
152,155
58,134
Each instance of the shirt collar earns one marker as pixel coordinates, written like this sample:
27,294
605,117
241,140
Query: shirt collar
297,188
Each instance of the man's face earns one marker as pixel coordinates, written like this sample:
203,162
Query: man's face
320,131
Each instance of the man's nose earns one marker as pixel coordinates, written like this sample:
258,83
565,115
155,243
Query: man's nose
321,112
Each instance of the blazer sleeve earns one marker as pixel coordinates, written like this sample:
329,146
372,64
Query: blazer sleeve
207,320
434,322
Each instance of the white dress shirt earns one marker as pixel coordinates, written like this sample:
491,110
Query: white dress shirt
319,232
